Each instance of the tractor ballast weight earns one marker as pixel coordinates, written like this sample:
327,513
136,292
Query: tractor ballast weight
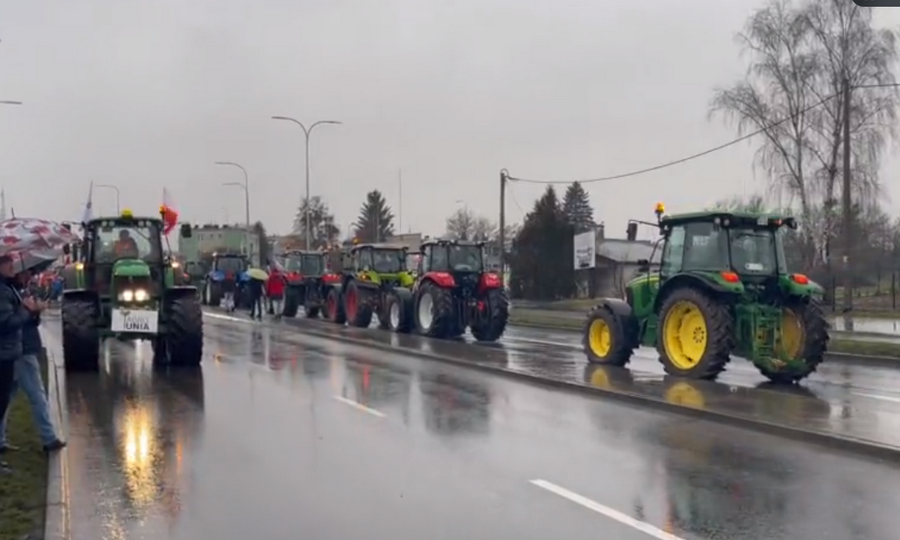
722,289
453,291
374,281
224,267
123,287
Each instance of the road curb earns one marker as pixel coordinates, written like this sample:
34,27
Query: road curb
831,440
56,520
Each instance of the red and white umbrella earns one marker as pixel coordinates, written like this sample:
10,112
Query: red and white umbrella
33,235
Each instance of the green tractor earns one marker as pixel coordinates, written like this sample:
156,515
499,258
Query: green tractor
722,288
122,286
374,277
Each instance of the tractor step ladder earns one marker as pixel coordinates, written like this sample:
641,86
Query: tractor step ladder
767,330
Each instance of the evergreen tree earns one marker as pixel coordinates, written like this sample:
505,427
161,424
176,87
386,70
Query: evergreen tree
323,231
376,221
577,208
541,262
262,240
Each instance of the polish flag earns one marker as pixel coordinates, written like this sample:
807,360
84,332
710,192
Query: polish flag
168,213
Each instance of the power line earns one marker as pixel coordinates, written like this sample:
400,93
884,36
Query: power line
688,158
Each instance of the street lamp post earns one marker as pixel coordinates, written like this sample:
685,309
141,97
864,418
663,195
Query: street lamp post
246,187
116,189
306,133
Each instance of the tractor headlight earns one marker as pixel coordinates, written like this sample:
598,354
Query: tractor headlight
141,295
127,296
136,295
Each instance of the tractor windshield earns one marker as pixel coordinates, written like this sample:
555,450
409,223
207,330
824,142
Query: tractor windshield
306,264
466,258
388,261
133,239
233,265
757,251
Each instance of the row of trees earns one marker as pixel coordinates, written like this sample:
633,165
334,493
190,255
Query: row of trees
374,224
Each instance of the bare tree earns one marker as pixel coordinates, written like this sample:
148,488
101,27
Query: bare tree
800,56
466,225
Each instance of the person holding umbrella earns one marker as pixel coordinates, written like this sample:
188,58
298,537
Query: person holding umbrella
27,367
254,290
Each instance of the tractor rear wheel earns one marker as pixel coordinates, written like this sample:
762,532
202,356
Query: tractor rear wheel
435,314
696,334
357,306
334,306
804,336
605,338
496,308
291,301
182,344
398,311
214,293
81,340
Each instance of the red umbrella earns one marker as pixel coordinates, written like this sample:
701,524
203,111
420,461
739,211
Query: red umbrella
34,235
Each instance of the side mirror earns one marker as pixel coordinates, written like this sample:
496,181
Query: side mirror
185,231
643,265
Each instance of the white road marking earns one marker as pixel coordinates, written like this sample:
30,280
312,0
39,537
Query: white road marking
636,524
882,398
360,406
226,317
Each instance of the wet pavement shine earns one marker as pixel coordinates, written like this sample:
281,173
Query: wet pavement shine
284,435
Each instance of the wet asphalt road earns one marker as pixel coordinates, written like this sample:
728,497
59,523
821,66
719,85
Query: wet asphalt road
282,435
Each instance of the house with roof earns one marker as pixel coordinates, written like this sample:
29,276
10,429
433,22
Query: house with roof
616,265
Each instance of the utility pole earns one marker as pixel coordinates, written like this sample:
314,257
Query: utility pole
2,204
504,177
400,201
847,205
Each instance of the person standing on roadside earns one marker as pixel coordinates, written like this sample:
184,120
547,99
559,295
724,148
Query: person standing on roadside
275,291
15,312
254,291
28,377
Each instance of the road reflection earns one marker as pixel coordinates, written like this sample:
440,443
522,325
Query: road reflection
454,405
377,385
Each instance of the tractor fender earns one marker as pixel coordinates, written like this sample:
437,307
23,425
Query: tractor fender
623,313
79,294
696,281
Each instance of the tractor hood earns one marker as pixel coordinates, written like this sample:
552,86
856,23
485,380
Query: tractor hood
131,268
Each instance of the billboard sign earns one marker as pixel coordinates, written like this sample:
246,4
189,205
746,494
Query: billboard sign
585,254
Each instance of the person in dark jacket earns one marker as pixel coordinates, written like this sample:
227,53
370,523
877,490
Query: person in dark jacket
28,377
14,313
254,292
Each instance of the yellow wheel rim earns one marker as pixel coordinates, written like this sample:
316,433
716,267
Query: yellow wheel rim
684,394
600,338
792,334
684,335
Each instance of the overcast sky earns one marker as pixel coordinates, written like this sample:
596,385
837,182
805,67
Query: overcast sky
146,95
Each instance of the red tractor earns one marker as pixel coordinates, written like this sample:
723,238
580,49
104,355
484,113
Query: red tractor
453,291
308,279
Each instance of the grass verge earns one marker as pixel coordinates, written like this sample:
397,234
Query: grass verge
837,345
23,493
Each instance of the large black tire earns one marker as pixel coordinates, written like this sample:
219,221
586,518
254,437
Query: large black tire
443,322
292,297
214,294
357,305
335,306
497,307
183,341
813,344
202,291
605,338
398,311
716,333
80,337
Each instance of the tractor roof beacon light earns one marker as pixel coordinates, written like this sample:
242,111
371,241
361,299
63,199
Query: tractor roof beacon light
659,211
127,214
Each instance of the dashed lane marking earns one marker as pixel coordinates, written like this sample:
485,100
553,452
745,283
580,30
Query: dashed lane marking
615,515
360,406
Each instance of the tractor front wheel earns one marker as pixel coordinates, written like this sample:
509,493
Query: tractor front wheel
435,315
804,336
606,339
357,306
291,301
491,322
81,340
398,311
214,293
334,306
696,334
182,344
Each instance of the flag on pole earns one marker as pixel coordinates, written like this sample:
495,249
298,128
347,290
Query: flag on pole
88,213
168,213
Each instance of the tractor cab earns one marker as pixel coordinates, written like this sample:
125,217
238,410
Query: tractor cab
456,264
301,264
228,266
378,258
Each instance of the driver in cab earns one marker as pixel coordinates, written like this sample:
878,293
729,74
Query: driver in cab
125,247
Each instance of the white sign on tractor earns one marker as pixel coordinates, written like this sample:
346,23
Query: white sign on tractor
585,255
138,321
